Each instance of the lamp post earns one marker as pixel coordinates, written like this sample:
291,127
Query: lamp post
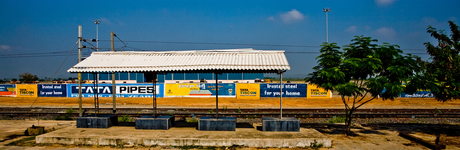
326,10
97,22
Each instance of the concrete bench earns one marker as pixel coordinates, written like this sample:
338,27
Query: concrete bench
99,121
276,124
220,124
155,123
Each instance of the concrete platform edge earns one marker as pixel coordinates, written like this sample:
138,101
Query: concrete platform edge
297,142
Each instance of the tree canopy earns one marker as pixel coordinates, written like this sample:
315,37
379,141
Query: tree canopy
362,71
441,74
27,78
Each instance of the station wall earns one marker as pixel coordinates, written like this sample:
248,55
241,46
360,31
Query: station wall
238,90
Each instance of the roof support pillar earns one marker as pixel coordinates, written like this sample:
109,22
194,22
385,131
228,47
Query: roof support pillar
217,97
281,93
154,94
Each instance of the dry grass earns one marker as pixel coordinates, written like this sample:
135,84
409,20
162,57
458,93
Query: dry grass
230,103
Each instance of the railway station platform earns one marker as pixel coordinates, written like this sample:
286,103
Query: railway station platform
244,135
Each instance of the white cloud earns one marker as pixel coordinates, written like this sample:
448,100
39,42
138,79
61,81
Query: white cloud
351,29
291,16
271,18
105,20
429,20
386,33
367,27
5,47
384,2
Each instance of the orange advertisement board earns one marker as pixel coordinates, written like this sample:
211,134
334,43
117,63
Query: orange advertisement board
248,91
313,91
26,90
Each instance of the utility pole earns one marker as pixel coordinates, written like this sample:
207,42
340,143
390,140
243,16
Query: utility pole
80,111
327,10
113,76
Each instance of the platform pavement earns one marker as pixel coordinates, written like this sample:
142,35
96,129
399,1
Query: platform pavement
183,136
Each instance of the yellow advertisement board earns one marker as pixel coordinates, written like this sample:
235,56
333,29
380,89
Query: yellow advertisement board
248,91
313,91
180,89
26,90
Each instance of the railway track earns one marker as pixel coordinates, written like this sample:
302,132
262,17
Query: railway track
240,113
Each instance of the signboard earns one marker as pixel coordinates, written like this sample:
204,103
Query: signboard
52,90
418,94
139,90
181,89
88,90
247,91
289,90
26,90
225,89
7,90
199,90
317,92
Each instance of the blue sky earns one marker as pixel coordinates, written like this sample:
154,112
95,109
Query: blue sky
35,36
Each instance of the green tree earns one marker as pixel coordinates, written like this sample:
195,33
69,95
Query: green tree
441,74
27,78
362,72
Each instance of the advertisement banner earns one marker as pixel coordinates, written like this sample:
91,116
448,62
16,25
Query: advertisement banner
317,92
52,90
247,91
88,90
184,89
7,90
289,90
418,94
225,89
26,90
139,90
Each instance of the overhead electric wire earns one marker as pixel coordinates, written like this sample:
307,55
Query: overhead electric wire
58,69
124,44
206,43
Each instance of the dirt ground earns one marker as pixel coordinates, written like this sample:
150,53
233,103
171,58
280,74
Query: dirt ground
383,136
186,102
374,136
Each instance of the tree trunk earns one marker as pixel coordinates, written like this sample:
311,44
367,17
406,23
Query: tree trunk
348,122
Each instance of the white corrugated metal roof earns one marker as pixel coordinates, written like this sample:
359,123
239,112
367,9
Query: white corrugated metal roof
230,60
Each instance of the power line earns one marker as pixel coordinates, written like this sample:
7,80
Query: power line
206,43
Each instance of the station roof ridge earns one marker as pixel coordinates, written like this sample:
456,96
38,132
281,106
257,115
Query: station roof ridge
242,50
219,60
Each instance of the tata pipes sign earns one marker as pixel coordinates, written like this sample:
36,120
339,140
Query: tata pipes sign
289,90
139,90
52,90
122,90
88,90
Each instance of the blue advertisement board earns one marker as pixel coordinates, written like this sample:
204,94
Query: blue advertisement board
7,89
88,90
418,94
139,90
52,90
122,90
289,90
225,89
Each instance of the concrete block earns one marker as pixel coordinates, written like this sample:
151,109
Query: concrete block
220,124
101,121
36,130
150,122
290,124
